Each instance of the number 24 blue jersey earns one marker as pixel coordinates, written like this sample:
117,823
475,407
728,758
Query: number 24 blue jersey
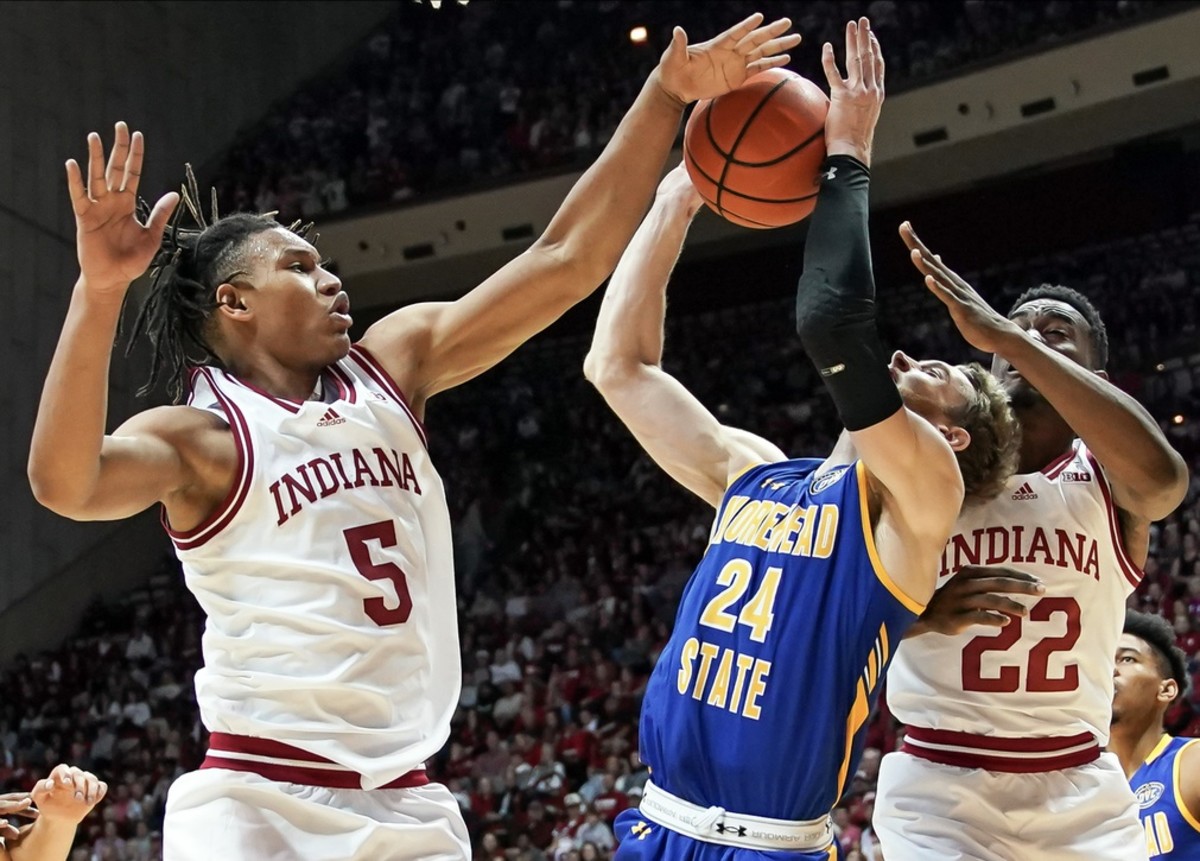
759,700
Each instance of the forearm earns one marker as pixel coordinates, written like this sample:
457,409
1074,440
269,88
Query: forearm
835,300
64,456
47,840
596,220
630,325
1120,432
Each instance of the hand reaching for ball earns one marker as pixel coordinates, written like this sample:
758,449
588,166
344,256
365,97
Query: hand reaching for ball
708,69
856,100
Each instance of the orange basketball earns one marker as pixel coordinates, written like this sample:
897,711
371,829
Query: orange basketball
754,154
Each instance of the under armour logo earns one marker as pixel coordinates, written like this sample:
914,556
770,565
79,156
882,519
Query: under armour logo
829,174
740,830
641,831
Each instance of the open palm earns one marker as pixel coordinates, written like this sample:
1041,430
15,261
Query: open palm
721,64
114,247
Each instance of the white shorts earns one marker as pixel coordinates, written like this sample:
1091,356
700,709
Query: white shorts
220,815
925,811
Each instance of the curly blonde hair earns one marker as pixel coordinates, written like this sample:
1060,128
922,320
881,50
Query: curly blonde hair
992,455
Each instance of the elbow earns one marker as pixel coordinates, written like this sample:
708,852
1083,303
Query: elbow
53,493
1171,487
607,372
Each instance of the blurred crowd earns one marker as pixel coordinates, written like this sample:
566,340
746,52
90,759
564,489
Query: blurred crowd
571,551
433,100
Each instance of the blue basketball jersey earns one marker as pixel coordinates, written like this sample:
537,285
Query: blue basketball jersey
1171,829
759,700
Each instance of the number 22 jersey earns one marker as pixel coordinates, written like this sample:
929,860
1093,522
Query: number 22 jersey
327,575
758,701
1050,674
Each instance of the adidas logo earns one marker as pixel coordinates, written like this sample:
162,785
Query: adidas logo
1025,491
330,418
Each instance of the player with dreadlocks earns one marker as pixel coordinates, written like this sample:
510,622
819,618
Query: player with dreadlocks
296,484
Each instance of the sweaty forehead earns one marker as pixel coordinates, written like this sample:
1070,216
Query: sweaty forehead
1054,307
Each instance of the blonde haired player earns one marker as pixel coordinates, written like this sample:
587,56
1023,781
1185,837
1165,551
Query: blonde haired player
1007,699
296,483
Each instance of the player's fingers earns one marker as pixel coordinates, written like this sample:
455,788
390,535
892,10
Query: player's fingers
865,55
79,196
993,585
998,603
880,66
853,60
60,774
133,164
762,35
987,617
829,64
118,156
101,791
775,46
97,187
91,787
974,572
676,52
9,831
769,63
161,214
738,31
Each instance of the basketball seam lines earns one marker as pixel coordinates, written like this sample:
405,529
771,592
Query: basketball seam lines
741,134
700,170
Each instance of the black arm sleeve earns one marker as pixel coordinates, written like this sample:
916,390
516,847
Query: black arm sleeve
835,300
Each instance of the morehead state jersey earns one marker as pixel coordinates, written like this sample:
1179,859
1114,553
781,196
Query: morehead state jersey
1171,829
759,700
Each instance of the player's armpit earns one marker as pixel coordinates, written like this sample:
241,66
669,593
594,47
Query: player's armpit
152,456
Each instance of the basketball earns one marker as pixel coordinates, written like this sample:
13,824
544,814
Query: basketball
754,154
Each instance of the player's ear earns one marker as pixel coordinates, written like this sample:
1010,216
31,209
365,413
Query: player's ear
959,438
1168,690
229,302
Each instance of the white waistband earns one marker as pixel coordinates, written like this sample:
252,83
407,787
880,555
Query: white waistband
717,825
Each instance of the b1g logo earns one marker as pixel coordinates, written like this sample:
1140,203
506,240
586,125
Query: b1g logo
1148,793
1076,476
827,480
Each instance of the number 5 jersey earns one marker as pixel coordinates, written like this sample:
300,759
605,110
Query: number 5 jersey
327,576
759,700
1049,674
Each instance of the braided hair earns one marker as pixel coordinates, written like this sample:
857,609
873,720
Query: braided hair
184,275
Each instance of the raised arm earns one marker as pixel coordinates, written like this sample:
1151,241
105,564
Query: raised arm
625,361
835,307
74,468
1149,478
432,347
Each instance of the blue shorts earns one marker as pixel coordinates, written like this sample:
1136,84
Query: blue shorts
640,839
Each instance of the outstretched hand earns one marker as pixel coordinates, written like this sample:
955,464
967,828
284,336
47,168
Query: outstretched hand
978,596
856,100
705,71
114,247
983,326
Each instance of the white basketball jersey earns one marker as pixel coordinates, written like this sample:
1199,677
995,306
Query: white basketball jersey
327,576
1051,673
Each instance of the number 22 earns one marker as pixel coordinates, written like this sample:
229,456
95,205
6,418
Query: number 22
1037,677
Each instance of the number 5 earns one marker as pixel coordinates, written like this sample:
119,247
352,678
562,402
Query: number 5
385,533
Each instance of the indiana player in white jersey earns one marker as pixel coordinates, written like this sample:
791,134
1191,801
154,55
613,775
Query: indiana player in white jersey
296,483
1008,699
